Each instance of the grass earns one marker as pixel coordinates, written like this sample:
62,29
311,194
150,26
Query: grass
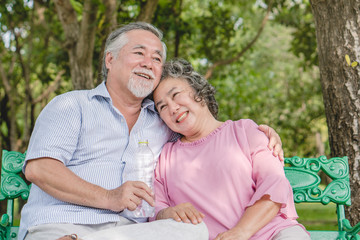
315,216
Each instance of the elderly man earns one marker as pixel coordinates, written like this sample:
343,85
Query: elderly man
80,156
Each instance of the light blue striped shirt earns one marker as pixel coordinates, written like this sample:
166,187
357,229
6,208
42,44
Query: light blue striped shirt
90,136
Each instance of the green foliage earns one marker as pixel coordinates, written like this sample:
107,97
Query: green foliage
275,82
298,15
270,88
29,48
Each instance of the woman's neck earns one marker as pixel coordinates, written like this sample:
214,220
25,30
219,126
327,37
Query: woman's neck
209,125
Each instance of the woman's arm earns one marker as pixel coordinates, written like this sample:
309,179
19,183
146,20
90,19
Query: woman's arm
254,218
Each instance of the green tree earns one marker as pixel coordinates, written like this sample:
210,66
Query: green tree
32,69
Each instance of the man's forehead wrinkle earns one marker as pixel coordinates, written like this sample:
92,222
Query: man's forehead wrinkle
139,46
143,47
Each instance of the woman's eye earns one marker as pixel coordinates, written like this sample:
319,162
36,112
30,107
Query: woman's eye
162,107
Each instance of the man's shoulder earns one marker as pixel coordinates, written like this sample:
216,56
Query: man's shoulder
71,97
74,94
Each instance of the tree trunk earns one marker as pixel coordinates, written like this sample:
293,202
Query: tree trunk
12,95
147,11
80,40
110,23
337,24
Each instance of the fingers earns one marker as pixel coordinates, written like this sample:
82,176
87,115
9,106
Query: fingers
133,203
143,186
265,129
129,195
188,216
184,212
281,156
275,144
274,138
142,191
188,213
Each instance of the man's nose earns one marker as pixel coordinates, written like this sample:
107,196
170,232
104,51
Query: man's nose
147,62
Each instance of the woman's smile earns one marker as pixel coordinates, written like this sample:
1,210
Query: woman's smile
182,117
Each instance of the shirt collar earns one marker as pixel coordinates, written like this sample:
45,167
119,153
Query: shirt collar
102,91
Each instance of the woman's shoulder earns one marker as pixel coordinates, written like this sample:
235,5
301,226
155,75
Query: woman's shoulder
248,130
168,147
245,124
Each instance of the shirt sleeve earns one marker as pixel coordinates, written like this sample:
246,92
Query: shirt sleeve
268,172
56,130
160,187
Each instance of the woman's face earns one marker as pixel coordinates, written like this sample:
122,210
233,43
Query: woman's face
174,100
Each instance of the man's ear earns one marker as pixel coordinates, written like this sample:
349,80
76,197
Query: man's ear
108,59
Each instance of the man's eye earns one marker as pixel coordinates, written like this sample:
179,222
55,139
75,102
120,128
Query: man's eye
157,60
139,53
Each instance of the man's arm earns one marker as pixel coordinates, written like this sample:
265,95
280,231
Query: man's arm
53,177
275,144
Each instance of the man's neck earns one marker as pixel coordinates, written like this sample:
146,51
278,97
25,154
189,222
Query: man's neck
127,104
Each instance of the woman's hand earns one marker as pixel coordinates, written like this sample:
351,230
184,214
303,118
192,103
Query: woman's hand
275,144
232,234
184,212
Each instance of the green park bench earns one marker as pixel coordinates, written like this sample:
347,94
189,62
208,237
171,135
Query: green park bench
303,174
12,187
304,177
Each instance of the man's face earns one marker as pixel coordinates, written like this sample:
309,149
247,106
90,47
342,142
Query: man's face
138,65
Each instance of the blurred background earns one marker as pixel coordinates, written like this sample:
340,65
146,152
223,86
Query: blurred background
261,58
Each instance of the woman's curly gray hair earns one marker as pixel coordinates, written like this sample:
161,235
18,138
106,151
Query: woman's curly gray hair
204,91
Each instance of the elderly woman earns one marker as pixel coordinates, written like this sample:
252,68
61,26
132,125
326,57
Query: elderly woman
221,173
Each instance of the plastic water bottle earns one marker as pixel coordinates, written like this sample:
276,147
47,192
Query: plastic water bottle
144,159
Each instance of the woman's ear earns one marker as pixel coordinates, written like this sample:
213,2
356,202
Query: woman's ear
200,100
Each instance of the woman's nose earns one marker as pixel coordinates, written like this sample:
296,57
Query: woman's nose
174,107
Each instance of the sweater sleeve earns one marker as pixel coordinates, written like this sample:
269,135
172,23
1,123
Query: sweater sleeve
268,172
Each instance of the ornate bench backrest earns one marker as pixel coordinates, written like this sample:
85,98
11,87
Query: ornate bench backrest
304,177
12,186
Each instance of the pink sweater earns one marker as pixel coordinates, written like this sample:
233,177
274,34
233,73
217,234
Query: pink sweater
223,174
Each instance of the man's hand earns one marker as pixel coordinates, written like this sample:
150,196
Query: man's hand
184,212
275,144
129,195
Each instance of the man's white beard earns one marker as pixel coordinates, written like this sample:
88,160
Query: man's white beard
140,88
